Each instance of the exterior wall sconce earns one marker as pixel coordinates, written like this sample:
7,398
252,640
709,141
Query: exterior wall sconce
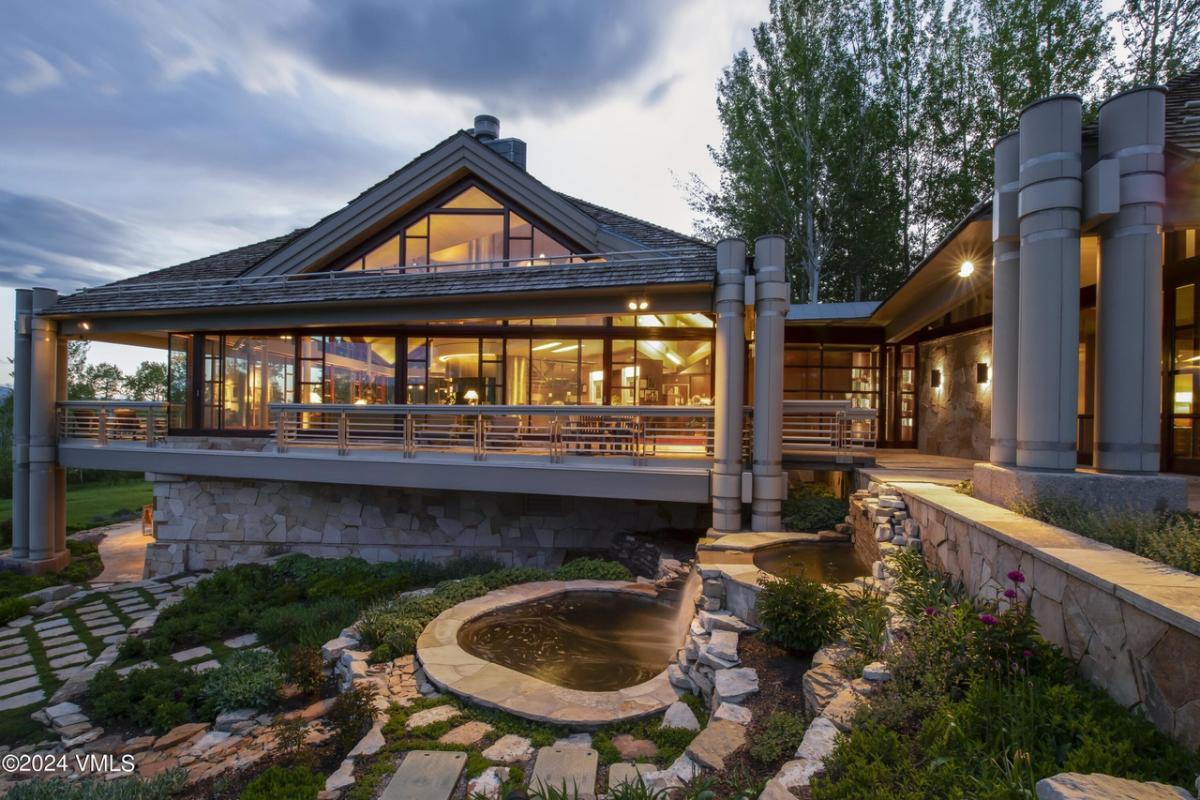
981,373
638,304
965,269
935,379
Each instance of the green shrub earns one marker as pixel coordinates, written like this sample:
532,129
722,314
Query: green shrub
305,668
308,623
247,679
799,613
13,607
778,738
813,507
866,619
160,787
351,715
1169,538
285,783
158,698
593,569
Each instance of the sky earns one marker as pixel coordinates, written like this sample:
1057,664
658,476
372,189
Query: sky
136,134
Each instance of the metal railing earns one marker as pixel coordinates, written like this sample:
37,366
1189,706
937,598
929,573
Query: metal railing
828,425
634,432
112,420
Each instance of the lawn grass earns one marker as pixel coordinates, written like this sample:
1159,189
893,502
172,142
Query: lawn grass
95,505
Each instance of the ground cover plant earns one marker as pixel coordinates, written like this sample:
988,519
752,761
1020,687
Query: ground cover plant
160,787
85,565
813,507
980,706
1169,538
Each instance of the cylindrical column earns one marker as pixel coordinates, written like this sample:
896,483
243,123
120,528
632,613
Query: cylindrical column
729,392
1050,206
770,310
1006,280
1129,286
60,473
43,492
20,488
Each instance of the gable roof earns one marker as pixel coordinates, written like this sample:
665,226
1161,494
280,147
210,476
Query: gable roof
241,276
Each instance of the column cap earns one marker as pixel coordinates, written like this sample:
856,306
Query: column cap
1051,99
1149,87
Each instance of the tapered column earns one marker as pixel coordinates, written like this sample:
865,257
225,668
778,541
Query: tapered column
20,487
44,499
1050,206
1129,286
60,473
729,391
1006,281
770,310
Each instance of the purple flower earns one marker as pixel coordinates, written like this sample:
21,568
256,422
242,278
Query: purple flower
930,611
1016,576
988,619
1011,594
1027,653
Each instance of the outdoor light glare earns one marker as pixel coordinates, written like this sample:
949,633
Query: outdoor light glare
935,379
965,269
87,326
633,305
642,306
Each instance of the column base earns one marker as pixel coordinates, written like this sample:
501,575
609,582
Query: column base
27,566
1004,485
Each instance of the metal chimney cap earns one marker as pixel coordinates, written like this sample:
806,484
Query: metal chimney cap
487,127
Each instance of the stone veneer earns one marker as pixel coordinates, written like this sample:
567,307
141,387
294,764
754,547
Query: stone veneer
1131,624
955,418
204,524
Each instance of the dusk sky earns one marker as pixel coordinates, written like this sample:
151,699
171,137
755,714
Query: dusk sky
139,134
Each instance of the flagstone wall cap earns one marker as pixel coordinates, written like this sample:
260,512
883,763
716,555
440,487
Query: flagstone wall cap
451,668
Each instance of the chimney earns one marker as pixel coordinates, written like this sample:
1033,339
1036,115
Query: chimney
487,131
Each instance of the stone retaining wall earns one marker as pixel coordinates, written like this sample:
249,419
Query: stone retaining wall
1132,625
204,524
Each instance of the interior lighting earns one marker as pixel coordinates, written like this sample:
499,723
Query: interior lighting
566,349
547,346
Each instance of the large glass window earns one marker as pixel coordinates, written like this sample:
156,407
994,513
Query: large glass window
655,372
832,372
258,371
179,381
469,230
350,370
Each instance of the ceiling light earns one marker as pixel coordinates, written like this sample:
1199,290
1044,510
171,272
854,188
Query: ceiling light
642,306
547,346
965,269
566,349
633,306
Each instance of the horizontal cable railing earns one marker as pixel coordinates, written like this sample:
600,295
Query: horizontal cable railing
827,425
624,257
112,420
636,432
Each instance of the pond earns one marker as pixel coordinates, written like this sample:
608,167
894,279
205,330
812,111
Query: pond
588,640
828,562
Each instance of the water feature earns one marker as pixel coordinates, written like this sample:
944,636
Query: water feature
828,562
589,640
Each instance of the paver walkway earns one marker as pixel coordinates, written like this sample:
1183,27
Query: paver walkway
426,775
123,551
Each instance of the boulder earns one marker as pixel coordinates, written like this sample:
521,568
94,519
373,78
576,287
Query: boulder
821,684
180,733
431,716
227,719
679,715
682,769
679,679
718,741
775,790
721,621
734,713
843,708
734,685
877,672
1078,786
333,649
724,645
487,783
342,777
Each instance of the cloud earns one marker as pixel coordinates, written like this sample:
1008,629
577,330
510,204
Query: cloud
48,242
658,92
40,74
535,56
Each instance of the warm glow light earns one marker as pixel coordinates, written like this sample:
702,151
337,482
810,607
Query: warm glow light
314,397
674,359
633,306
87,326
471,396
965,269
566,349
362,401
642,306
449,356
547,346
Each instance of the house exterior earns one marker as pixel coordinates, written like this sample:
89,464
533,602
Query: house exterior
463,360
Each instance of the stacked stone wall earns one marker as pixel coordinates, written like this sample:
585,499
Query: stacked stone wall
204,524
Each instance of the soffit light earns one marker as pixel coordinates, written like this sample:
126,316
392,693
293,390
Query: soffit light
966,269
638,304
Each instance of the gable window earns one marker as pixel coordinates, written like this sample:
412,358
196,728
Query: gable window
471,230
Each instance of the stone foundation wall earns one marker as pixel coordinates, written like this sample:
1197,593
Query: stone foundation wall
204,524
1132,625
955,418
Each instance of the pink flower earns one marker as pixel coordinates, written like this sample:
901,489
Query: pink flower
988,619
1027,653
1011,594
1016,576
930,611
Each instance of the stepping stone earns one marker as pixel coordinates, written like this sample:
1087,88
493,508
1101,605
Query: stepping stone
717,742
193,654
123,671
21,648
205,666
426,775
13,687
62,650
22,700
109,631
13,673
13,661
68,660
60,710
67,673
571,767
468,734
633,748
116,637
627,774
431,716
245,640
60,641
50,624
510,749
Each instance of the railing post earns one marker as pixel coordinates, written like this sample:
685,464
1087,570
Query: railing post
409,444
281,431
151,433
343,433
480,444
102,425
